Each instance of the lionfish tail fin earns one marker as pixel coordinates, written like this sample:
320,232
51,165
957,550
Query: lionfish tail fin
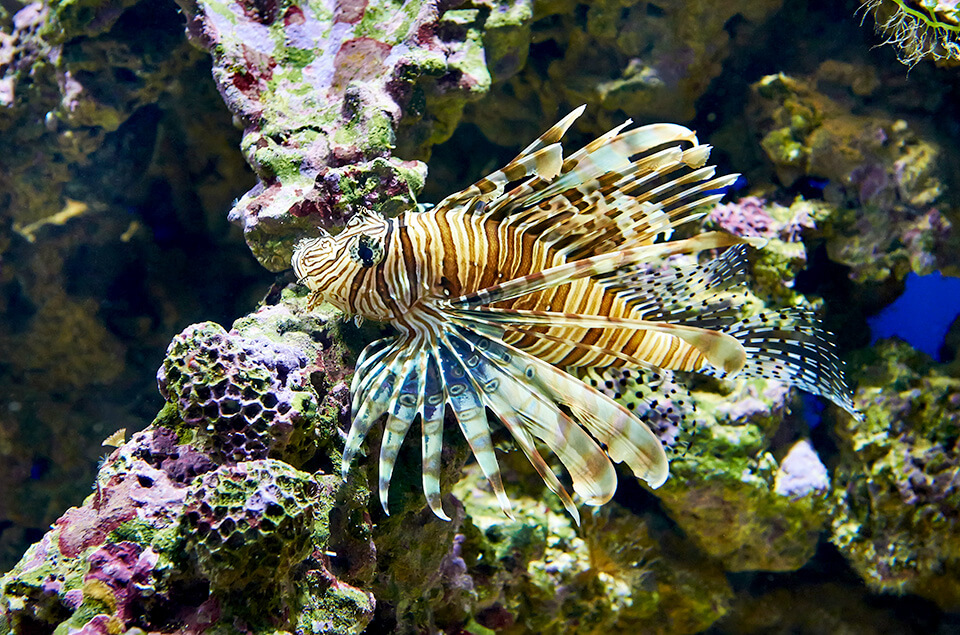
791,347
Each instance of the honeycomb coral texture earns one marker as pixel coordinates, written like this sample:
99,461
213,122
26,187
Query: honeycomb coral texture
245,397
249,522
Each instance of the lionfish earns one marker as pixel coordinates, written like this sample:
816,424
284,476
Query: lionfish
541,268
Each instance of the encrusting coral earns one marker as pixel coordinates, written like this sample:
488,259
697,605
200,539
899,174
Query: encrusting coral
881,175
897,495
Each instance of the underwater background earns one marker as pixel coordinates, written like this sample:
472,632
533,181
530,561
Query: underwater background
162,158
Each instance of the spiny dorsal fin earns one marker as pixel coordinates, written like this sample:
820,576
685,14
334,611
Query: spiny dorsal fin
542,159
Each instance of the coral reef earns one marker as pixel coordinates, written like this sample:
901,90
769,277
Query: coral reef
623,59
228,513
329,98
239,399
180,533
730,494
896,492
620,571
119,160
880,172
776,266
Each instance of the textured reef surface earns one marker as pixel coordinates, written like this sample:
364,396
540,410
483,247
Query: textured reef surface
228,514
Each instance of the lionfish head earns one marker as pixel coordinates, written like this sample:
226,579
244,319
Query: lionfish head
326,264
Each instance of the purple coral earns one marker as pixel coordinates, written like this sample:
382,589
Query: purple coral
746,217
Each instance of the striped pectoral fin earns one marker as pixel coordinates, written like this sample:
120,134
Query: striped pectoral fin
526,443
594,479
373,359
372,400
431,419
628,439
402,410
514,395
393,435
472,418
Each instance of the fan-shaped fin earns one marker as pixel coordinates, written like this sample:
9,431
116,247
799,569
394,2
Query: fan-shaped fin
375,392
791,347
626,437
472,417
593,476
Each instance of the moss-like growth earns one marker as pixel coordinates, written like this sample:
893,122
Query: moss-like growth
896,502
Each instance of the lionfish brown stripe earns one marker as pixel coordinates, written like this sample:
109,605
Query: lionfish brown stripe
409,255
448,257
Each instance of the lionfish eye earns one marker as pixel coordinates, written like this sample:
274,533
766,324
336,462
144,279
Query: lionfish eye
367,251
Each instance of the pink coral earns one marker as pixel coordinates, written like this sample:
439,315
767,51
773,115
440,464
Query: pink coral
746,217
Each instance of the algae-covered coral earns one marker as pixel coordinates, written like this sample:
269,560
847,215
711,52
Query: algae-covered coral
227,514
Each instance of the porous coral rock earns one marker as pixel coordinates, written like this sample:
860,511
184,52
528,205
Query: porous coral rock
775,267
250,523
179,535
242,398
896,495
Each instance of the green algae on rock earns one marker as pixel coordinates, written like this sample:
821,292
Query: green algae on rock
330,99
651,61
895,502
881,174
180,533
619,572
730,494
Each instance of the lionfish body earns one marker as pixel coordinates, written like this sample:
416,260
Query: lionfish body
495,294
